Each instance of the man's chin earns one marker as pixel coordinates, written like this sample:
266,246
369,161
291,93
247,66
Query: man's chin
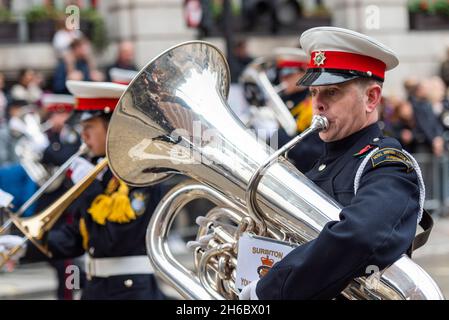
324,136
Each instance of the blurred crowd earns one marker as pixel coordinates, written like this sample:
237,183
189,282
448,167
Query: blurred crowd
75,61
420,120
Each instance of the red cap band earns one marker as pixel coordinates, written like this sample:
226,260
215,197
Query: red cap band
93,104
347,61
59,107
291,64
121,82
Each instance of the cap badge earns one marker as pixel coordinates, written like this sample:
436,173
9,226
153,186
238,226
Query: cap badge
319,58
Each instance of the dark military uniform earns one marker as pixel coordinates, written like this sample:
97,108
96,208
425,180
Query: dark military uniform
62,146
376,226
110,240
60,149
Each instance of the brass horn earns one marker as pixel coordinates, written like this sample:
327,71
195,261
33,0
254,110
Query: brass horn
174,118
34,228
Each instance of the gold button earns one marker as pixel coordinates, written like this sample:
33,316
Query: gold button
321,167
128,283
56,146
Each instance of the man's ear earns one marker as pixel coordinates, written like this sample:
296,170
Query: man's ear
373,96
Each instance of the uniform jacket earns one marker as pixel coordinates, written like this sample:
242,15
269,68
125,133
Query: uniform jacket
110,239
377,225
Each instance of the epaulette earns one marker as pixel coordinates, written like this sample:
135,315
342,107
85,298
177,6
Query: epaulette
389,150
391,155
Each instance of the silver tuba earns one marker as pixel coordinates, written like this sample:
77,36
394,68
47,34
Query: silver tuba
174,118
257,81
30,134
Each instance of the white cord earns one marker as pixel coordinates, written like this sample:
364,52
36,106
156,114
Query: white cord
422,187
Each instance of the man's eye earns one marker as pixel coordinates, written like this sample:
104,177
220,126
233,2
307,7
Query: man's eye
331,92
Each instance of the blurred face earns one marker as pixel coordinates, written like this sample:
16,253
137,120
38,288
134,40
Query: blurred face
126,52
27,77
81,51
93,134
405,111
348,106
57,120
289,81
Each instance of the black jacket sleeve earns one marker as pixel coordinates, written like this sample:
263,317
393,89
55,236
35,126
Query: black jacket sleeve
375,229
65,241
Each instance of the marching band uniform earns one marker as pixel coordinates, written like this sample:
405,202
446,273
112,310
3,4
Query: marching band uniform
63,143
111,216
380,196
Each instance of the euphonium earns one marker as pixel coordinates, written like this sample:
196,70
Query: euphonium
174,118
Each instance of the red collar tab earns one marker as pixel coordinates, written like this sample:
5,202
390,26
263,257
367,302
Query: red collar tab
94,104
363,151
347,61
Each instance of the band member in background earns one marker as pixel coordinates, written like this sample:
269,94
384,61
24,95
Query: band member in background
64,141
111,217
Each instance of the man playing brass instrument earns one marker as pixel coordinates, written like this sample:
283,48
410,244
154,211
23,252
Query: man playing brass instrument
112,217
378,184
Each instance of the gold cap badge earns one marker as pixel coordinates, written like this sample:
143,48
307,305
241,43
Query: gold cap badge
319,58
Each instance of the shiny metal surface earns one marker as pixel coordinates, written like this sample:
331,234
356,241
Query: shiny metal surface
36,227
256,72
28,128
83,149
174,118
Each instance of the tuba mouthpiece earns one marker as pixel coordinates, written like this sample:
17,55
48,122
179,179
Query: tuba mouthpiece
319,123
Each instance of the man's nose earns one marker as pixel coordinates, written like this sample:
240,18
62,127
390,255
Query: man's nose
319,106
84,135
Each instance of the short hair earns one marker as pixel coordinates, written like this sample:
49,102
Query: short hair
364,82
106,117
